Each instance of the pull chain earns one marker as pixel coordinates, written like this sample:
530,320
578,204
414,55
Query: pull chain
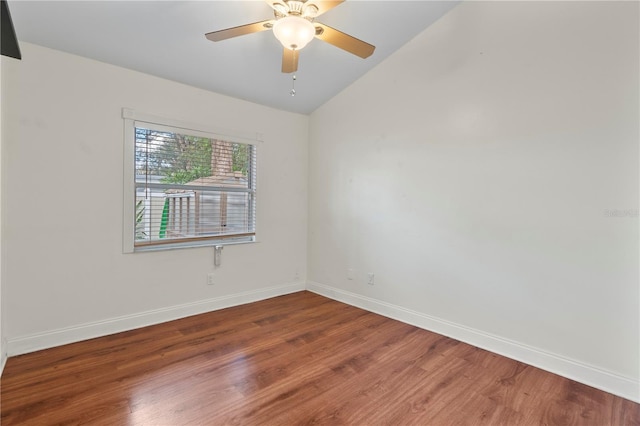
294,66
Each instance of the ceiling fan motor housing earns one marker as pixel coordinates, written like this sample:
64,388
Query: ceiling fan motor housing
295,8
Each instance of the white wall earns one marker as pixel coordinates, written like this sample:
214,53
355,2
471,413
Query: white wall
471,172
66,277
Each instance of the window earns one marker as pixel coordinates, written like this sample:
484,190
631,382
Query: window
190,187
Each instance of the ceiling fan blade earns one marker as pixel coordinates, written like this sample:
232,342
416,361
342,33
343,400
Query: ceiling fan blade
241,30
290,60
344,41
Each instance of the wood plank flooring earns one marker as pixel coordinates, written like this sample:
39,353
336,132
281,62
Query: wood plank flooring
295,359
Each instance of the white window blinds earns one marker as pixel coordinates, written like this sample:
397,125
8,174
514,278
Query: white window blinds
192,187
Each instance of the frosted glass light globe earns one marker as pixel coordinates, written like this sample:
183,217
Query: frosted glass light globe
294,32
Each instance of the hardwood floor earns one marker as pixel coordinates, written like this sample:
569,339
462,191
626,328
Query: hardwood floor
295,359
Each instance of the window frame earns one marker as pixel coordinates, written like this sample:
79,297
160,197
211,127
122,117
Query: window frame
130,119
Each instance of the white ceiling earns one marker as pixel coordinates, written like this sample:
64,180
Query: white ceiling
166,39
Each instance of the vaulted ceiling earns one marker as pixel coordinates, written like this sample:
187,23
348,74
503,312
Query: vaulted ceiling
166,39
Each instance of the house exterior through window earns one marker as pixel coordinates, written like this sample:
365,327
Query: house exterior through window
191,188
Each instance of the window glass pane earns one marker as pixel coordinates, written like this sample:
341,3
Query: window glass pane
191,187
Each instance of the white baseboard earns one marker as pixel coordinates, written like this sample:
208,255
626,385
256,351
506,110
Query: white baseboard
3,354
63,336
625,387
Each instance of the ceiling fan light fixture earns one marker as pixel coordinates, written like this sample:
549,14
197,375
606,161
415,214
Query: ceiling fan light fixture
294,32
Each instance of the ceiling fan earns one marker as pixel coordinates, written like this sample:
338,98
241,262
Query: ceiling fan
295,26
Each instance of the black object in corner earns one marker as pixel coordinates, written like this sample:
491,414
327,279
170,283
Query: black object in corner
8,37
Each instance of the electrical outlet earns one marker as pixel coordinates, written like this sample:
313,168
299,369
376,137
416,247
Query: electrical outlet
370,277
296,276
211,278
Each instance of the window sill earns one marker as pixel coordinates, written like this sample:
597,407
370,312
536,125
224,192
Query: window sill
177,246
